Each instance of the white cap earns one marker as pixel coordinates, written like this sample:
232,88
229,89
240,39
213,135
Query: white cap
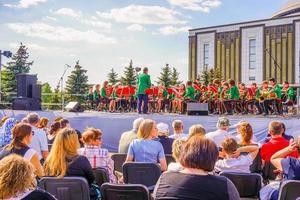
162,127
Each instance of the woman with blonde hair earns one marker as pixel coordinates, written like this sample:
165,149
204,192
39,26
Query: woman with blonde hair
17,180
196,129
54,129
43,123
145,148
176,151
245,134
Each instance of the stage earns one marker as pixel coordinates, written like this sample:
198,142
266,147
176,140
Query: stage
114,124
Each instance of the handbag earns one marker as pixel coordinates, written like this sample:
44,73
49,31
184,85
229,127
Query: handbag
95,193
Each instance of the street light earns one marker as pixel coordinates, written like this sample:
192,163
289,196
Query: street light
7,54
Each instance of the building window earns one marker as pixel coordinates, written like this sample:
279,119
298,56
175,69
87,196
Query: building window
251,78
252,54
206,56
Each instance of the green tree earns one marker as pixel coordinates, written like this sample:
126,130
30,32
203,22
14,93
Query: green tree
56,100
47,93
175,77
129,77
112,77
165,76
77,83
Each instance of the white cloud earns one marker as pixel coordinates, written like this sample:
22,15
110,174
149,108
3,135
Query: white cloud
140,14
31,46
172,30
59,33
98,24
135,27
25,3
196,5
50,18
68,12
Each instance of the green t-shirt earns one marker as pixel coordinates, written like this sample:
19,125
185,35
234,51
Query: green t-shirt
96,95
144,83
234,93
103,92
190,93
277,91
290,92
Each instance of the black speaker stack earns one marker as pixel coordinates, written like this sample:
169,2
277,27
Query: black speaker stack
28,93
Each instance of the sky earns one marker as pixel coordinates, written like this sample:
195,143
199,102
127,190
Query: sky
105,34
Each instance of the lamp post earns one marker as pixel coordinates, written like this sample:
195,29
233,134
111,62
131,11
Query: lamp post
7,54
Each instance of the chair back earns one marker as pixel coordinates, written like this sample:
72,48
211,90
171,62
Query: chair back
242,181
111,191
101,175
169,158
268,171
289,190
119,160
67,188
141,173
256,164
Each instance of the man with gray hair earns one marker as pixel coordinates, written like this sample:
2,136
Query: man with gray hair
221,133
128,136
177,126
39,139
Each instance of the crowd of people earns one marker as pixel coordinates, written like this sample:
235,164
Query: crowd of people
222,97
32,149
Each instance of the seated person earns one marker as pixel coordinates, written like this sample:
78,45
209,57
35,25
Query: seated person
163,133
145,149
177,126
176,151
196,129
233,162
245,135
194,182
17,180
284,135
98,157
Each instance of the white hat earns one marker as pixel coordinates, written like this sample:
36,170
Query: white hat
162,127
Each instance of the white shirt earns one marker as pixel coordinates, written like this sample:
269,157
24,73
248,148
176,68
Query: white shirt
39,141
218,136
240,164
179,136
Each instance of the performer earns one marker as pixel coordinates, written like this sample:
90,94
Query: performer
288,96
162,97
113,99
234,97
276,95
96,95
104,101
243,96
144,82
89,96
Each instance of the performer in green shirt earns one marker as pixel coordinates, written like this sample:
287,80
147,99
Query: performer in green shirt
275,94
144,82
189,92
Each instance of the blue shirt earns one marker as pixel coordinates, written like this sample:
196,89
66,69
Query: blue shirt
146,150
291,168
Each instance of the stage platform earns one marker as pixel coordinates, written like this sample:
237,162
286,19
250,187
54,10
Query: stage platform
114,124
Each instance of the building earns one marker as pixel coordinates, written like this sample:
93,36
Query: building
250,51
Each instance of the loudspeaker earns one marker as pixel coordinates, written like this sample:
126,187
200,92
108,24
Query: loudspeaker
24,84
197,108
36,91
24,103
73,106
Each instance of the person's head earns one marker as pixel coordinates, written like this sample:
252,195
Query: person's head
275,129
182,87
3,120
64,123
104,84
54,128
177,148
163,129
17,175
242,86
97,87
65,146
223,123
92,137
283,128
225,85
91,90
246,132
199,153
177,126
264,84
33,119
147,129
43,122
216,82
272,81
254,85
196,129
136,124
286,85
145,70
231,82
229,146
22,136
189,83
57,119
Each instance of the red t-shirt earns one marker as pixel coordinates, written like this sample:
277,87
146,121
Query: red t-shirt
274,145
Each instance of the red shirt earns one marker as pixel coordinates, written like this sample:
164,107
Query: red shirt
274,145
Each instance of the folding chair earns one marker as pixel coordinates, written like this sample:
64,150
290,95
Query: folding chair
289,190
169,158
268,172
124,192
67,188
101,175
119,160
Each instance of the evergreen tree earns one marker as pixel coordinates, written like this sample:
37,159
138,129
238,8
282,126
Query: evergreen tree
175,77
204,77
47,93
129,77
165,76
218,74
77,83
112,77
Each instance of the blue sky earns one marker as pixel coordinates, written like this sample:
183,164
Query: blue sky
105,34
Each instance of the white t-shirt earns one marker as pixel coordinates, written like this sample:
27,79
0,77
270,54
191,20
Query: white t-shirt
179,136
218,136
39,141
240,164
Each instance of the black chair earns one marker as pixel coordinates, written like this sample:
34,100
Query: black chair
119,160
289,190
124,192
268,171
141,173
101,175
67,188
169,158
256,166
248,185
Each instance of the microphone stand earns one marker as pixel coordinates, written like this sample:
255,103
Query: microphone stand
61,85
274,60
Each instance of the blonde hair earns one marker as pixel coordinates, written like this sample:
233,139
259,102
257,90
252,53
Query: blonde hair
196,129
177,148
246,132
65,146
91,134
145,129
43,123
16,176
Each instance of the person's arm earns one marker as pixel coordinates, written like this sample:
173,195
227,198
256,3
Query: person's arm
37,164
252,150
44,145
87,169
130,154
149,81
163,164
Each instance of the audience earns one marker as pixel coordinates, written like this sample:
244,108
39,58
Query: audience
54,129
43,124
6,131
196,129
22,137
98,157
245,135
194,181
177,126
176,151
163,133
64,123
17,180
284,135
221,133
145,149
128,136
233,162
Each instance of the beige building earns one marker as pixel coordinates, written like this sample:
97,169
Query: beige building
250,51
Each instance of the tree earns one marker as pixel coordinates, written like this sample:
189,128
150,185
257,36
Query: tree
18,65
77,83
47,93
165,76
208,75
56,99
112,77
204,77
129,77
175,77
